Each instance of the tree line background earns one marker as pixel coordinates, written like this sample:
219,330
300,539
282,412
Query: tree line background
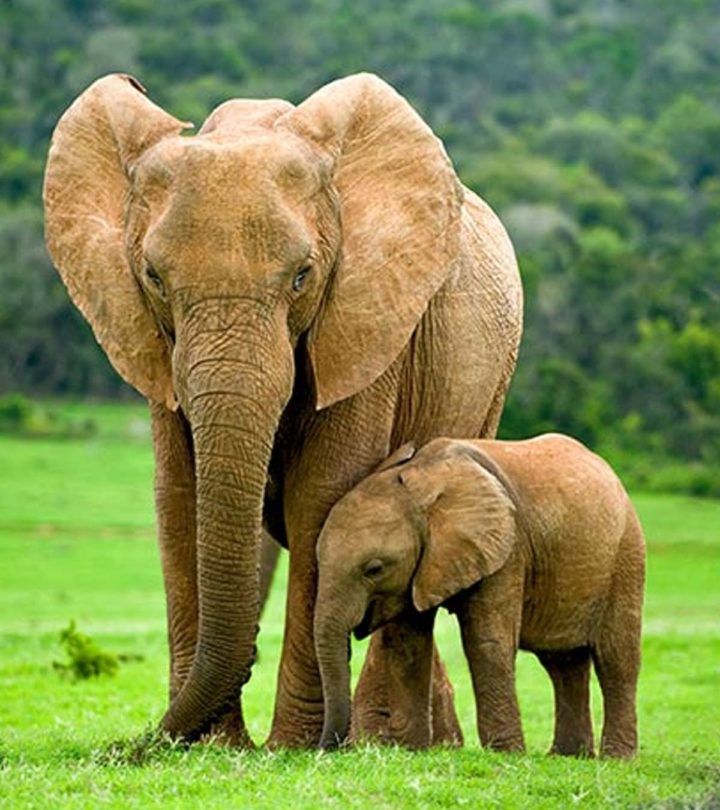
591,126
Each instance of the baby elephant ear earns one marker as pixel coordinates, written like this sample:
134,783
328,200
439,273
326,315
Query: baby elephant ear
470,526
400,204
400,456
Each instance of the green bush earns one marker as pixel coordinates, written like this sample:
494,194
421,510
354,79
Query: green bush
20,416
85,658
662,473
15,413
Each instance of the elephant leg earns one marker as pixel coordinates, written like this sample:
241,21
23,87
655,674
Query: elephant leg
492,667
372,702
175,508
489,616
616,647
570,674
386,709
617,672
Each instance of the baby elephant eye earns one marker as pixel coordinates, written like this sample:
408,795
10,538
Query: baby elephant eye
373,569
300,277
155,280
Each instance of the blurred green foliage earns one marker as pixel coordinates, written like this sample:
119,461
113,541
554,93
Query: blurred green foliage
85,658
592,126
20,416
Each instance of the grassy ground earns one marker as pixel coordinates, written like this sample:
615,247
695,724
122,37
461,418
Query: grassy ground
76,542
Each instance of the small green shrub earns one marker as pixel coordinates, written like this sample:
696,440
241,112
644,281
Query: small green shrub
661,473
20,416
86,658
15,413
691,479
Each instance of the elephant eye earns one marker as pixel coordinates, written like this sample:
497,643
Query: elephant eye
155,279
300,277
373,569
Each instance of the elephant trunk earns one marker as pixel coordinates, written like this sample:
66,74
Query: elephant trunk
234,409
332,647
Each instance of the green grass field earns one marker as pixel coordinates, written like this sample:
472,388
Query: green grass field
76,542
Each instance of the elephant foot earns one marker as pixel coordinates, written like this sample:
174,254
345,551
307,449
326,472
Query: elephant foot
379,725
294,738
296,726
229,731
378,717
375,720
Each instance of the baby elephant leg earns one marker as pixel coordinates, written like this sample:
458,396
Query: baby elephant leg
404,695
492,667
617,672
489,637
616,649
570,674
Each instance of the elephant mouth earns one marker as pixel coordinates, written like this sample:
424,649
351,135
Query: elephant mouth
379,613
367,624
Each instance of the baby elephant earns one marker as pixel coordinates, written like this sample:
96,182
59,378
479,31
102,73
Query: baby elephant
534,544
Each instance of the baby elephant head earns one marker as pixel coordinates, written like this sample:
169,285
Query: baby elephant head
417,531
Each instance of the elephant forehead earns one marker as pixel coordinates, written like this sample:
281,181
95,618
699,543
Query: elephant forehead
218,161
229,205
360,519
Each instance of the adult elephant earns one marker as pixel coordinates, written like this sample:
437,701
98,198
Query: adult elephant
297,291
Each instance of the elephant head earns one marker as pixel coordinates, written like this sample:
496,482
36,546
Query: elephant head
408,537
205,264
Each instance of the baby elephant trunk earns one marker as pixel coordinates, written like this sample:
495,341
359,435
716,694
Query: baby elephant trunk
332,645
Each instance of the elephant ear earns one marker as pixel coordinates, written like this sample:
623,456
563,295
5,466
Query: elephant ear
402,455
93,150
238,115
400,202
471,525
